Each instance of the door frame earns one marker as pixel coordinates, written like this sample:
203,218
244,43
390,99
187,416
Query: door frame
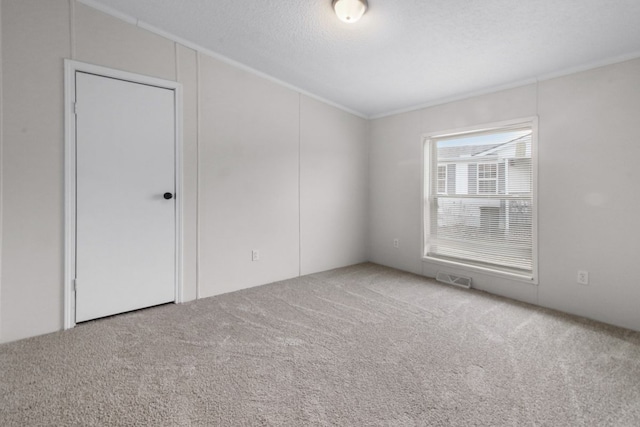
70,69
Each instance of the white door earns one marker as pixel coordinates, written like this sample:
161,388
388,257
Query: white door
125,227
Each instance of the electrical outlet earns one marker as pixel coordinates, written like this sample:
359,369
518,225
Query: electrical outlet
583,277
396,243
255,255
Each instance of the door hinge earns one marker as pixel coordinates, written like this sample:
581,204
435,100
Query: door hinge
75,108
75,285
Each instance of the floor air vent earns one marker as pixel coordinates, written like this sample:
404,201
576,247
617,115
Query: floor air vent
452,279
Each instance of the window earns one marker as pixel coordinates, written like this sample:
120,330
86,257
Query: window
442,179
487,178
446,179
479,201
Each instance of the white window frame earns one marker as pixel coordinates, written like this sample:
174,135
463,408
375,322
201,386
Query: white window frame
446,172
485,179
427,182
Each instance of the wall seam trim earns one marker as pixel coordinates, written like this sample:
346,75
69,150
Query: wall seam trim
180,190
299,184
537,172
198,215
1,162
176,71
72,29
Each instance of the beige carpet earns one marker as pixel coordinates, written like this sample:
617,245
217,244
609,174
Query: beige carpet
358,346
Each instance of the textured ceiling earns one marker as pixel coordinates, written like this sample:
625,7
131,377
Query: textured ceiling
402,53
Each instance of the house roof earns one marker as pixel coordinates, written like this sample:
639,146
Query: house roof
498,147
471,150
464,151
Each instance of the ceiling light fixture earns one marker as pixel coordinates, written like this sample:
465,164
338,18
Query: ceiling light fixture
350,11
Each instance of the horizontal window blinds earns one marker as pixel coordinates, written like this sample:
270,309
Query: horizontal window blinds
483,213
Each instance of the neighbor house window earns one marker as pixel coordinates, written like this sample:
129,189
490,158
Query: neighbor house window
446,179
487,178
442,179
479,199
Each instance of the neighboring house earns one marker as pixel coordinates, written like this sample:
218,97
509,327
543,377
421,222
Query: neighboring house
487,193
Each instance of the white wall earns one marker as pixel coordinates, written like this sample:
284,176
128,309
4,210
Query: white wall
395,183
32,166
187,75
589,203
334,187
104,40
280,173
588,150
249,179
241,153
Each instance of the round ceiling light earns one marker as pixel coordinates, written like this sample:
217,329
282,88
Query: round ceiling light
350,10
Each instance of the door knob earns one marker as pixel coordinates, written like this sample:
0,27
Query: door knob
168,196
